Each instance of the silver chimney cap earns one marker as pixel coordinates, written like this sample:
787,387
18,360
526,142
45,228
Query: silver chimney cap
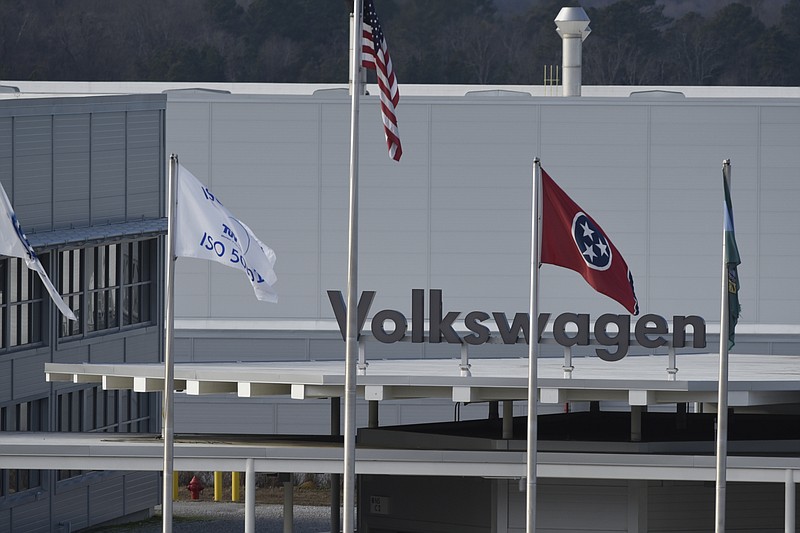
572,21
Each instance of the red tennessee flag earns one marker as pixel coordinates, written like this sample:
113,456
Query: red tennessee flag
572,239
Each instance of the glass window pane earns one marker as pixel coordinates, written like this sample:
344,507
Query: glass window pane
113,255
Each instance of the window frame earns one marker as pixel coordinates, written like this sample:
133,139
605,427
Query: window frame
22,309
102,297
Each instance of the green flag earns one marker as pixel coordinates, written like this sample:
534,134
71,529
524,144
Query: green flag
732,261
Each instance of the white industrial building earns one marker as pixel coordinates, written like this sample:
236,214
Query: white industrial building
625,446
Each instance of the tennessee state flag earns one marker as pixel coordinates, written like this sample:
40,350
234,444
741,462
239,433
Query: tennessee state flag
572,239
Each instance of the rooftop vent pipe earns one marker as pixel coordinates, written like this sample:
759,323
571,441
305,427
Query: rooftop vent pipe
572,24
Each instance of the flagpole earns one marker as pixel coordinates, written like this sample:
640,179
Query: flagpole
351,341
533,341
722,401
168,415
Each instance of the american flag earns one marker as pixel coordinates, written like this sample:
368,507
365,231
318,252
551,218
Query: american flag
375,56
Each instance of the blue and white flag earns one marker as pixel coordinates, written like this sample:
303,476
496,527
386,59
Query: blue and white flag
14,243
205,229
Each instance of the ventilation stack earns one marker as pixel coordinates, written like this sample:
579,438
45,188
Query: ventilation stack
572,25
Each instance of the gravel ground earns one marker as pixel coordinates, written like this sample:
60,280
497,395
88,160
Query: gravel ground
220,517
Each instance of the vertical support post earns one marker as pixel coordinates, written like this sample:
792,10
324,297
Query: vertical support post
250,496
789,505
567,366
336,479
508,419
217,486
235,484
373,414
681,419
636,423
362,358
465,366
672,369
288,507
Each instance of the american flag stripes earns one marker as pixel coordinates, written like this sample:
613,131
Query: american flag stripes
375,56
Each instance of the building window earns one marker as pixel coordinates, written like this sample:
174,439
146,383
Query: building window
20,304
109,287
27,416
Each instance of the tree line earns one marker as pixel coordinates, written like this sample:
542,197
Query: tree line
454,41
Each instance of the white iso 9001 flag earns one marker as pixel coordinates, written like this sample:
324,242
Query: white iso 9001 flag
205,229
14,243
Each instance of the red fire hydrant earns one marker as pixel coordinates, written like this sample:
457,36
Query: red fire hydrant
195,487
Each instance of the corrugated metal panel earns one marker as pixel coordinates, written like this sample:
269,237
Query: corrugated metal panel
72,506
106,500
675,507
33,168
108,167
5,380
71,170
572,505
28,375
5,520
302,418
144,176
143,348
144,129
33,517
142,491
250,350
205,414
463,192
428,504
110,349
71,352
145,163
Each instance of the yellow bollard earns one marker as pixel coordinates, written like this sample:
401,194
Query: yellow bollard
175,485
235,480
217,486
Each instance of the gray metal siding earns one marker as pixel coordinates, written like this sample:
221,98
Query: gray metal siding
427,504
64,163
142,491
144,164
71,506
33,170
455,213
108,167
31,517
569,505
28,375
6,380
675,507
71,164
142,348
71,352
108,349
106,500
